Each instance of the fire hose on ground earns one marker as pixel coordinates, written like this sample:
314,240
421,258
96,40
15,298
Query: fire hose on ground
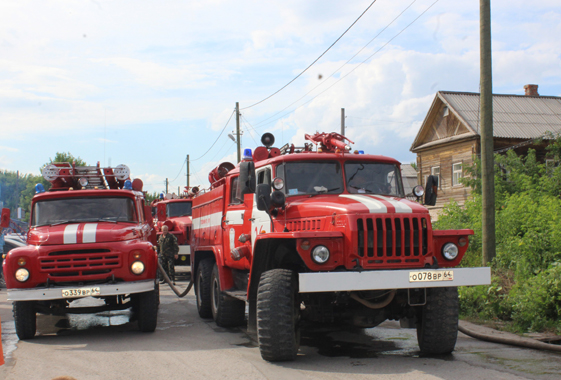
169,282
513,341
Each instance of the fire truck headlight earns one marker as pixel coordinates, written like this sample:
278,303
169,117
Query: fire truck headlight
450,251
278,183
419,191
22,275
83,182
320,254
137,267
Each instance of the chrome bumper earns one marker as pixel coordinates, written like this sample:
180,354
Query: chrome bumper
387,279
55,293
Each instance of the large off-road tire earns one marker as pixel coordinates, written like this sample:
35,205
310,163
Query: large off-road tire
146,309
25,318
278,315
202,288
226,311
437,321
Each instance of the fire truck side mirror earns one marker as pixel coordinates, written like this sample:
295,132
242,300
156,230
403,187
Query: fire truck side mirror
161,212
431,190
148,214
5,220
247,179
263,195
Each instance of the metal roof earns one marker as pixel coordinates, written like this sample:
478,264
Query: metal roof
514,116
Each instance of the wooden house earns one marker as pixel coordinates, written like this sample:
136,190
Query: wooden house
449,137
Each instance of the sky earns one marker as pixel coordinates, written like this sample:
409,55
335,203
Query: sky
146,83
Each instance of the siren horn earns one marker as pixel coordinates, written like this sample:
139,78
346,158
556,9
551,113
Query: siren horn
267,139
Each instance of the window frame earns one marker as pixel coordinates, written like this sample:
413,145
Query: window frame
456,182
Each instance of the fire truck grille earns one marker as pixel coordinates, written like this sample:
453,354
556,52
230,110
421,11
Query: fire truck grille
392,240
85,262
304,225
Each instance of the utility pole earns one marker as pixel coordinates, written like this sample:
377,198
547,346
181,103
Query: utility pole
238,131
187,171
487,162
167,183
17,191
343,121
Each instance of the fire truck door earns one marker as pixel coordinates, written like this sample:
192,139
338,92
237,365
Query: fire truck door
260,221
234,219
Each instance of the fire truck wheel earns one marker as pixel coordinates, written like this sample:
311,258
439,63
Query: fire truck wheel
226,311
437,322
25,318
147,309
278,315
202,288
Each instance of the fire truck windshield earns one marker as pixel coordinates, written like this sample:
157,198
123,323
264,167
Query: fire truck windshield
87,209
178,209
311,177
373,178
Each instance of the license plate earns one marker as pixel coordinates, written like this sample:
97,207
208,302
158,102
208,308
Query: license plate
81,292
431,275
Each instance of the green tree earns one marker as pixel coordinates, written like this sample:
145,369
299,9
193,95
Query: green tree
65,157
526,283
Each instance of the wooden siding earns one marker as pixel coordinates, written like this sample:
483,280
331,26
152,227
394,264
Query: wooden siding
444,157
444,125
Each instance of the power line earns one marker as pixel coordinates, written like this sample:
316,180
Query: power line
350,72
222,131
249,132
180,170
317,59
339,68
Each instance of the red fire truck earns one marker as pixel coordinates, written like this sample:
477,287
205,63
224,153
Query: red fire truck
323,235
90,235
176,214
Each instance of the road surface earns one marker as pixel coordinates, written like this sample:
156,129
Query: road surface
109,346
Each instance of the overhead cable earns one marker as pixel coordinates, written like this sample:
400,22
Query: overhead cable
317,59
222,131
182,166
359,65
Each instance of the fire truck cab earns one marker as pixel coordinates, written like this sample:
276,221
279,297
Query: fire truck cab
323,235
89,235
176,214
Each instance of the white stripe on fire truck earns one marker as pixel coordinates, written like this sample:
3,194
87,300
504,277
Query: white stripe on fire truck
374,206
89,233
70,234
212,220
234,217
400,207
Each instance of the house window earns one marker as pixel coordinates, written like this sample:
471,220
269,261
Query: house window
456,173
435,170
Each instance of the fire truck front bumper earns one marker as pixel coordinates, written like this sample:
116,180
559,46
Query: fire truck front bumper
392,279
72,292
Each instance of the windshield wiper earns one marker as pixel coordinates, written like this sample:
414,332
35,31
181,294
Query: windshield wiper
107,219
360,188
323,190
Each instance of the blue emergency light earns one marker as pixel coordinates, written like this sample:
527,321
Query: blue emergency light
247,154
39,188
128,185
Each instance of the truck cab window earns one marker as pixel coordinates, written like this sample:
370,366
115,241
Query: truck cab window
234,191
264,176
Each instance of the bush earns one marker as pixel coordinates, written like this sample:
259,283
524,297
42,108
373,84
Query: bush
526,283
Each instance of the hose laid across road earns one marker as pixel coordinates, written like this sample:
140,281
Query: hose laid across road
511,339
168,281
